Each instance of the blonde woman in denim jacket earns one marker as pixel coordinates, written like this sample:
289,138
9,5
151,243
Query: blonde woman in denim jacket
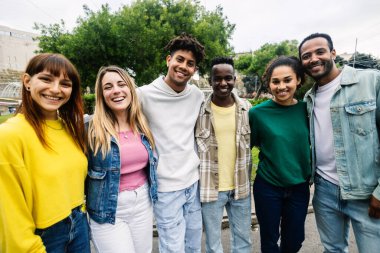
121,182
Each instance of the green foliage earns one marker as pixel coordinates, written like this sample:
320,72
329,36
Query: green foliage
300,93
364,61
134,36
3,118
254,64
257,101
89,103
255,162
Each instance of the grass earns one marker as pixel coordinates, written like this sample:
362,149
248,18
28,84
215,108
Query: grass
3,118
255,162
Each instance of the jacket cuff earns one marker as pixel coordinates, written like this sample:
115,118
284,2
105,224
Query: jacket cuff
376,192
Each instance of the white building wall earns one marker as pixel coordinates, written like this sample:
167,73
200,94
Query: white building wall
16,48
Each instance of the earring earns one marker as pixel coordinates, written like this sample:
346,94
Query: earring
28,88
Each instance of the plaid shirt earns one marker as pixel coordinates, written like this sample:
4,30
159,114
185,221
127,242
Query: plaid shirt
208,151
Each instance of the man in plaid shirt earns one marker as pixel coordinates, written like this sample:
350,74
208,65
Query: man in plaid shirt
223,140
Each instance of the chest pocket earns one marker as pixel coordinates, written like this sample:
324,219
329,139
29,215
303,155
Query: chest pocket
96,183
202,137
361,117
246,135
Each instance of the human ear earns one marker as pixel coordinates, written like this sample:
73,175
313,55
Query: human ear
26,81
168,58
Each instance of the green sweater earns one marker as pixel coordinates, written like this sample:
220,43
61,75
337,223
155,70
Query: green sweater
282,135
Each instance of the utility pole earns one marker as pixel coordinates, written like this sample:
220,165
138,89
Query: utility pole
356,43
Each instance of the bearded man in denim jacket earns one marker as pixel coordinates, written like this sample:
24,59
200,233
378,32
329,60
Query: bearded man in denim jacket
344,113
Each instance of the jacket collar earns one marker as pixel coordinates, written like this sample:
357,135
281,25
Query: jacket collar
207,104
348,78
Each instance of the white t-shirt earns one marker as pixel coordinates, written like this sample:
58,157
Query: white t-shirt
323,132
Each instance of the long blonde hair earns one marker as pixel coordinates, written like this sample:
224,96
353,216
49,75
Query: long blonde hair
102,128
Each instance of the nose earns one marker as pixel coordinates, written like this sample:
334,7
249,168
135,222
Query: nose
55,86
313,58
223,82
116,89
183,65
282,86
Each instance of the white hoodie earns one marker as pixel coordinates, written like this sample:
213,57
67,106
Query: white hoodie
172,117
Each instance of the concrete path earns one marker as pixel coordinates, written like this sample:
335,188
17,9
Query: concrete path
312,243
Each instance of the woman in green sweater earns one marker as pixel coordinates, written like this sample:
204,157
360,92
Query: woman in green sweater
43,165
279,129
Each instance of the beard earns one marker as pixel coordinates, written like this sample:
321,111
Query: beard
327,68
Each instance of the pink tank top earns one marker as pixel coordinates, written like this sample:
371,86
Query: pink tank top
133,160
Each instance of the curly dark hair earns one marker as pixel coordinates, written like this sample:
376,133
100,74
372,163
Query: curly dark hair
282,60
189,43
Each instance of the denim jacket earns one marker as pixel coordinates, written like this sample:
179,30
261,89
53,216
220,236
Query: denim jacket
355,117
103,178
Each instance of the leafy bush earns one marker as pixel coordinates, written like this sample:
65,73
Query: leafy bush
89,103
257,101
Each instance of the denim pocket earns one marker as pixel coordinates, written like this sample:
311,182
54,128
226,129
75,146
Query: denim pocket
361,117
96,182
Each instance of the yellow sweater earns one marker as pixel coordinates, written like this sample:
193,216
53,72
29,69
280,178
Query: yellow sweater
38,186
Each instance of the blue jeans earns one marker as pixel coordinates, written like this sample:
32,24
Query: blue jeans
333,216
281,206
179,220
239,216
70,235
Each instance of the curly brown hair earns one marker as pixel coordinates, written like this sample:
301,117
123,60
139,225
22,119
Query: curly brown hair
189,43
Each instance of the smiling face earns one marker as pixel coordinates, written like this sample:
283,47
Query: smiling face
222,81
116,92
318,60
283,84
48,91
181,67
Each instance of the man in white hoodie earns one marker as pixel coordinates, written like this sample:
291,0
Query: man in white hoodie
171,106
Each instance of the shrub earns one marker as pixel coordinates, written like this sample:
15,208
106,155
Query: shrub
257,101
89,103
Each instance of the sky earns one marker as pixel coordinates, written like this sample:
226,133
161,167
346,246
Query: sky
257,21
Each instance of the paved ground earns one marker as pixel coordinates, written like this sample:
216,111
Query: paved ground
311,244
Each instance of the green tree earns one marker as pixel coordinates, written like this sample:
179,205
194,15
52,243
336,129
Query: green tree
340,61
254,64
134,36
363,61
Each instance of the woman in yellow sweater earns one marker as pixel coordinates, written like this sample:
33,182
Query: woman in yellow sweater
42,163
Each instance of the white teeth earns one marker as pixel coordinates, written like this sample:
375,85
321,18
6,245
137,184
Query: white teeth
118,99
51,98
180,73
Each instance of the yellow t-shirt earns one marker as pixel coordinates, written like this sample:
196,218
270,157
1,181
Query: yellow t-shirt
38,186
225,132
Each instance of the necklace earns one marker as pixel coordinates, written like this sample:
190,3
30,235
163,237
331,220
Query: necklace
124,134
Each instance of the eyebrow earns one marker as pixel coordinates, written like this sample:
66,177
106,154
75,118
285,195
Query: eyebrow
277,78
